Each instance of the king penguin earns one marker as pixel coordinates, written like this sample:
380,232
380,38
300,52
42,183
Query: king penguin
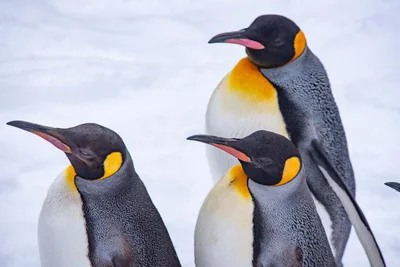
98,212
261,213
281,86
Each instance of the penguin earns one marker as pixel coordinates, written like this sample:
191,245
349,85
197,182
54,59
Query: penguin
281,86
394,185
97,211
261,212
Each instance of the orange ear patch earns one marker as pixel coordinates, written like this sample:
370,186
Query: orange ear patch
290,171
299,44
111,164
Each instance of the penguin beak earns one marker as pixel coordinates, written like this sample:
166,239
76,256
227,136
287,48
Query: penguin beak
229,145
236,37
52,135
394,185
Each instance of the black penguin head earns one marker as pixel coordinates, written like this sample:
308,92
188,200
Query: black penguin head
94,151
270,41
267,158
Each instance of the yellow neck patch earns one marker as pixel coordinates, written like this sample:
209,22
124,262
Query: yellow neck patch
111,165
247,81
290,171
70,175
299,45
238,180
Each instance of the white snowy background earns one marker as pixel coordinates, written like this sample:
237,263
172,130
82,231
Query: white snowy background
144,69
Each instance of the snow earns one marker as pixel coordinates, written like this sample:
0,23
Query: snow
144,69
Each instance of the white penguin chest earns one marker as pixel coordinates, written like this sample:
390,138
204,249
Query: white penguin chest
238,107
241,120
224,229
230,115
62,233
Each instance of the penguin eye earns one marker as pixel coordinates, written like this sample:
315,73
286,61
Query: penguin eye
278,42
84,153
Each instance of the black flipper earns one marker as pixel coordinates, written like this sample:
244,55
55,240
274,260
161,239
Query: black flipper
394,185
354,212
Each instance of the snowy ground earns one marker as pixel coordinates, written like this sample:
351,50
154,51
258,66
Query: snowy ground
144,69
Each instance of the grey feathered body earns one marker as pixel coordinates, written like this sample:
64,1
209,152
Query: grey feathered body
124,227
287,228
310,111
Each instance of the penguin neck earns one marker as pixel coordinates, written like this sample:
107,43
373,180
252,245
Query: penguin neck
238,180
122,180
288,71
246,82
259,175
277,193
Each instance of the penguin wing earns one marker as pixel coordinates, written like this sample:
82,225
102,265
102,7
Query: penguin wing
354,212
294,256
290,256
394,185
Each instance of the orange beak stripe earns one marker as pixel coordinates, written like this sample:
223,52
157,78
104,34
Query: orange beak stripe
236,153
54,141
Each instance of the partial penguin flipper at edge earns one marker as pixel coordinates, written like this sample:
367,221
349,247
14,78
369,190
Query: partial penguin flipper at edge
354,212
394,185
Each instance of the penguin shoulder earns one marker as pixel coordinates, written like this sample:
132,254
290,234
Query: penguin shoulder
246,84
233,184
244,100
226,216
62,233
229,203
63,192
247,81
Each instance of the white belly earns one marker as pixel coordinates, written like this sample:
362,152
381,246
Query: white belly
228,117
62,229
224,229
238,119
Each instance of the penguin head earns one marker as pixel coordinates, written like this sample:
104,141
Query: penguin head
267,158
271,40
95,152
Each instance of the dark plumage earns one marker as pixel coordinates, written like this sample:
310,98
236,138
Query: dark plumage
122,222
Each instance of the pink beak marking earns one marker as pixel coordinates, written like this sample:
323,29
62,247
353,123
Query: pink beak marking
54,141
247,43
237,154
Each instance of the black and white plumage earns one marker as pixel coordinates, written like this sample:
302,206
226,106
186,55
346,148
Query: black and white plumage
283,87
98,211
261,212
